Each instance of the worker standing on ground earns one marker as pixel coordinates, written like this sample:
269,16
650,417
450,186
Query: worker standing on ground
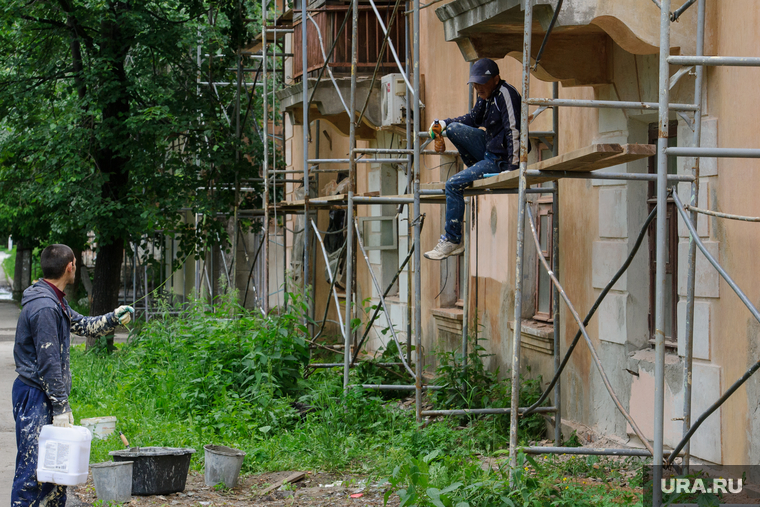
493,150
41,391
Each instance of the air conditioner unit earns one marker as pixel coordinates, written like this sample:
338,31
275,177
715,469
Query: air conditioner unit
393,100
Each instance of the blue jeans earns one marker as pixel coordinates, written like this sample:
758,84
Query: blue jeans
471,143
31,411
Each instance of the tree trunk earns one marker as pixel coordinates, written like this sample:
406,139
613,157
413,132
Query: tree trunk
105,287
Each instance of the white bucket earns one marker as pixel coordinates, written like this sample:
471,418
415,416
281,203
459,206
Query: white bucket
63,455
100,427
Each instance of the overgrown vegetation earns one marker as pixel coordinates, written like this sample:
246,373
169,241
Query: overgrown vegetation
233,378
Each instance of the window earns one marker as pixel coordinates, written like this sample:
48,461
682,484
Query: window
671,256
544,292
544,303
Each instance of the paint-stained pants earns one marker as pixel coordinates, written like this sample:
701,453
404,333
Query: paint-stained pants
31,411
471,144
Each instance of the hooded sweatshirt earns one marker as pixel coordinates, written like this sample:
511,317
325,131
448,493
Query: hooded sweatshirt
43,337
500,115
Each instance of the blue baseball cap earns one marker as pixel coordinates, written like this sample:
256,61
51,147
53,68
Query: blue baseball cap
483,71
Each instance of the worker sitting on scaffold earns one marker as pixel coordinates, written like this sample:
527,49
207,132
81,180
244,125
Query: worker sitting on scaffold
493,150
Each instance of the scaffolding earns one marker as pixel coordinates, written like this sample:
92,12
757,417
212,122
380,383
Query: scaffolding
582,164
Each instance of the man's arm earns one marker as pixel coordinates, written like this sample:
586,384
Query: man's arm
44,327
93,326
472,119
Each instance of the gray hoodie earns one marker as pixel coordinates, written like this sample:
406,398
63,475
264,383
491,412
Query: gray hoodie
43,337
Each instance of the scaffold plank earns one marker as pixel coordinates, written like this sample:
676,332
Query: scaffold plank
590,158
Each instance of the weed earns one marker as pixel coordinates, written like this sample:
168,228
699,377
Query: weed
470,385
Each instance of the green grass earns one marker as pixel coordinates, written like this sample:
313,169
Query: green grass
201,379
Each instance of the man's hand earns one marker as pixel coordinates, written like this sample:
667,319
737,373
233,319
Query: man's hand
430,130
65,420
124,314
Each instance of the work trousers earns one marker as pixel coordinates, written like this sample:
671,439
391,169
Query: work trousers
31,411
471,144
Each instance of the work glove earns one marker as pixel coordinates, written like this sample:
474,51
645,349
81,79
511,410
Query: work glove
65,420
443,128
124,314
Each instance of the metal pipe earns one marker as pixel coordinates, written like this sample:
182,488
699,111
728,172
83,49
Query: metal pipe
391,46
358,161
661,242
416,215
265,166
482,411
548,32
377,308
409,173
692,262
351,175
607,176
465,290
718,214
585,451
713,61
340,365
384,150
329,272
693,232
556,321
327,60
714,152
521,205
392,387
324,55
305,141
677,14
606,104
382,299
594,355
383,200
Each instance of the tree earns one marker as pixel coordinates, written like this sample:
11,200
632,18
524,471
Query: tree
107,127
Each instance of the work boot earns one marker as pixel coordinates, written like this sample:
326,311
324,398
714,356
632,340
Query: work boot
443,249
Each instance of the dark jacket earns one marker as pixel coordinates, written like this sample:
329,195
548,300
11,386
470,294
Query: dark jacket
43,337
500,115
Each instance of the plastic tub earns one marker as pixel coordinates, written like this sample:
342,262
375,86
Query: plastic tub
113,481
157,470
100,427
222,465
63,455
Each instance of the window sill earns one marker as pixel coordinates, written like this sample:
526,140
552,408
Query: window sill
536,335
449,319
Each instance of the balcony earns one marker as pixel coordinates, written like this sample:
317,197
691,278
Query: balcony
581,43
329,16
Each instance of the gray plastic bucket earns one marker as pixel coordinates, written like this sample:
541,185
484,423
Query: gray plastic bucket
222,465
113,481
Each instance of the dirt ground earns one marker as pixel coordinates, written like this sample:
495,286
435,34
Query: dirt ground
315,490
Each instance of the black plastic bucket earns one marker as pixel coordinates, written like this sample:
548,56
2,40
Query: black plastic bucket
157,470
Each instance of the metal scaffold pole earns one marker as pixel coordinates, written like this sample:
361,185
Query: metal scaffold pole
692,263
555,267
265,166
661,242
416,215
516,336
305,147
352,180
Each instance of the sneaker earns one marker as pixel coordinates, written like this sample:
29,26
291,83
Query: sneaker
443,249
